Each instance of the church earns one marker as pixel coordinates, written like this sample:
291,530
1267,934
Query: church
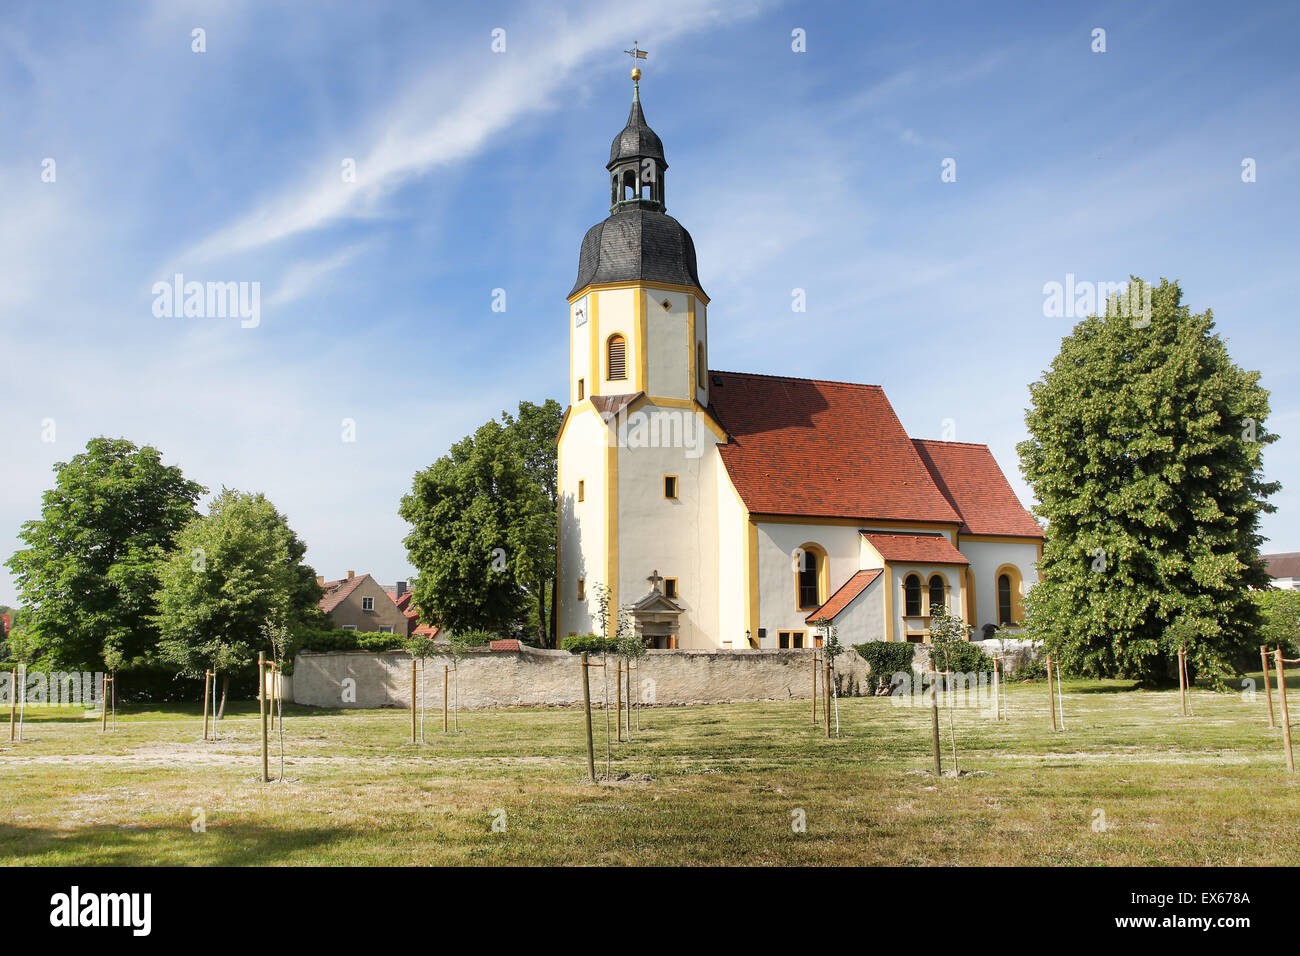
728,510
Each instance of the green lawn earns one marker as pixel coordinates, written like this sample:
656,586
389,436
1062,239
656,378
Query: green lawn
709,784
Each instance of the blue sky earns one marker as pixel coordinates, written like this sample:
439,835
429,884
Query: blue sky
479,170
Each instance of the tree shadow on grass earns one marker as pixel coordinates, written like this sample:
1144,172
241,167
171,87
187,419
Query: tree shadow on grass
1119,687
223,845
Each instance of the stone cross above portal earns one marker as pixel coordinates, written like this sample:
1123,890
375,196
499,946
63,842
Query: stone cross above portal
655,580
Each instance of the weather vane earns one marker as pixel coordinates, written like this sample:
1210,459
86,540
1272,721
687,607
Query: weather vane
636,53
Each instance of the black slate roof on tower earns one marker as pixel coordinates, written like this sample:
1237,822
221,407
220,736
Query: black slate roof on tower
639,242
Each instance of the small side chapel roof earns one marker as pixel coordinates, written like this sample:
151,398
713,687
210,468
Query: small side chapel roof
897,547
821,449
845,595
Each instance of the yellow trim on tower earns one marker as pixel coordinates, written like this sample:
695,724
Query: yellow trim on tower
751,581
638,283
642,351
691,388
593,320
611,525
889,602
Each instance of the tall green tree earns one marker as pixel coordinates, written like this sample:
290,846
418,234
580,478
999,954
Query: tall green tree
535,432
234,577
479,524
89,570
1145,455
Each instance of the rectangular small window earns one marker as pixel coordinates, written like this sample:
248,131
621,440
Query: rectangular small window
670,487
670,587
582,589
385,629
349,627
582,389
582,490
789,639
367,604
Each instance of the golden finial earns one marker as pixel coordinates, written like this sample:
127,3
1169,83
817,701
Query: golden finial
636,53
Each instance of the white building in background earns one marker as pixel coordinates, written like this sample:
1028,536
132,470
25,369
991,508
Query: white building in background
732,510
1284,569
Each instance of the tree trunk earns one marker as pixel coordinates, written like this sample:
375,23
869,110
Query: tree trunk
225,687
555,595
541,609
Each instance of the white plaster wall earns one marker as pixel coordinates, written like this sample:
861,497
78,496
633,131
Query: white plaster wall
579,348
732,536
676,537
899,573
985,558
777,604
617,314
864,619
668,347
582,524
702,335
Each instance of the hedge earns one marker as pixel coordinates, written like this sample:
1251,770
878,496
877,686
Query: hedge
577,643
885,658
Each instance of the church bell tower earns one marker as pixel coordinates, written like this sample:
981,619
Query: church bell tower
637,446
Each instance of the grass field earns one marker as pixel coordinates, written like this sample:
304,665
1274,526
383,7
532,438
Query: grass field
704,785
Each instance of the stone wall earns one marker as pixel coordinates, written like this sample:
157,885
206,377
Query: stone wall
533,677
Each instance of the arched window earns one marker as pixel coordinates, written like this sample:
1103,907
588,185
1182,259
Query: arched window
938,593
912,596
616,358
700,370
811,576
1010,609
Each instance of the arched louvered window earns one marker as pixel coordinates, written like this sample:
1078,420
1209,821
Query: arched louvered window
912,596
616,358
938,593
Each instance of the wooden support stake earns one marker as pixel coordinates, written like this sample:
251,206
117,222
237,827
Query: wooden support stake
816,660
1268,691
13,703
261,700
412,700
1182,677
618,701
207,676
103,714
997,701
586,700
444,697
826,691
1051,694
1286,716
934,719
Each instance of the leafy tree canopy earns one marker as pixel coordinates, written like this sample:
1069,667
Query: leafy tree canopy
90,566
482,527
1145,456
233,582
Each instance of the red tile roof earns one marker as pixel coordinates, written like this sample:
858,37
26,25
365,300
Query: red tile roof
337,591
914,548
845,595
508,644
971,480
821,449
